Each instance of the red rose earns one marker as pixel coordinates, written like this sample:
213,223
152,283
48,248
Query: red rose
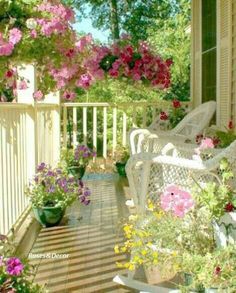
176,104
229,207
216,141
169,62
230,125
9,73
217,271
163,116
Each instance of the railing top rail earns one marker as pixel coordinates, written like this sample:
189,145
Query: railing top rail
122,104
15,105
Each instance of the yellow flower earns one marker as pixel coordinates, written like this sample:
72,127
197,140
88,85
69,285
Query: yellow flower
116,249
144,252
150,205
158,215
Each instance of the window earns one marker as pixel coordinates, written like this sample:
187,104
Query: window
208,50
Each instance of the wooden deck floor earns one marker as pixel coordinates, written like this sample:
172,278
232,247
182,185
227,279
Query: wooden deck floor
88,235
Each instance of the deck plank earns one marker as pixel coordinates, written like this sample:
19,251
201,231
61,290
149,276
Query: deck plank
88,235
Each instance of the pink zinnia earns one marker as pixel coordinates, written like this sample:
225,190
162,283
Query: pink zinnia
14,266
15,36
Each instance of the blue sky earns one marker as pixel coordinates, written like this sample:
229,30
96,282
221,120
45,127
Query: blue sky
86,26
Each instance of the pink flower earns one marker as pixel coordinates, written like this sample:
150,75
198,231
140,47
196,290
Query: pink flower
33,34
14,266
38,95
15,36
69,95
176,200
206,143
23,85
114,73
84,81
6,49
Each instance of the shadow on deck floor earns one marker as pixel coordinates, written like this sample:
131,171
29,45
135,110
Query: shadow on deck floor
87,235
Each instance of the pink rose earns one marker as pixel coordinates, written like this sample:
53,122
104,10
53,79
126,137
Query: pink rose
15,36
38,95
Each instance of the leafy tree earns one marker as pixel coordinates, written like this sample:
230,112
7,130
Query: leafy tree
131,16
171,38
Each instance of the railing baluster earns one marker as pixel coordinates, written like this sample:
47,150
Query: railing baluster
114,131
85,125
144,116
124,129
94,129
65,126
105,133
154,113
74,126
134,117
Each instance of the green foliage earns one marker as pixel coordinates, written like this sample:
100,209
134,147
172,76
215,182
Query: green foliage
122,154
214,197
212,270
171,40
226,138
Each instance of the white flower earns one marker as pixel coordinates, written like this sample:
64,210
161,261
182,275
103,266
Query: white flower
31,23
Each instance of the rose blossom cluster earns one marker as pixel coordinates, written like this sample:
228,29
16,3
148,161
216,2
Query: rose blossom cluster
124,60
7,44
176,200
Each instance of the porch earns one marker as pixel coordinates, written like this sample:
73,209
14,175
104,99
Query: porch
87,236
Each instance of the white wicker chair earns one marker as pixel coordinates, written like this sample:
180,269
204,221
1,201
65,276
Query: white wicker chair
192,124
149,173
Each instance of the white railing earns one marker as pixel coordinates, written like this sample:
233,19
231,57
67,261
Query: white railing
29,134
107,122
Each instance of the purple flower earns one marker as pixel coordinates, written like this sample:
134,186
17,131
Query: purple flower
87,192
3,237
41,167
51,189
62,182
86,202
50,173
14,266
81,183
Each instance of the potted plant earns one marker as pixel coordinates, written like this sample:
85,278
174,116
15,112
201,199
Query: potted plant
219,201
122,156
158,239
15,274
51,191
76,160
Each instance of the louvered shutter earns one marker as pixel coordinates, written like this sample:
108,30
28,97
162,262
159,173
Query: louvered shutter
196,84
224,52
234,63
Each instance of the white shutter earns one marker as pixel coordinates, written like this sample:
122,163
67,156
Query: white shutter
234,64
224,61
196,76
